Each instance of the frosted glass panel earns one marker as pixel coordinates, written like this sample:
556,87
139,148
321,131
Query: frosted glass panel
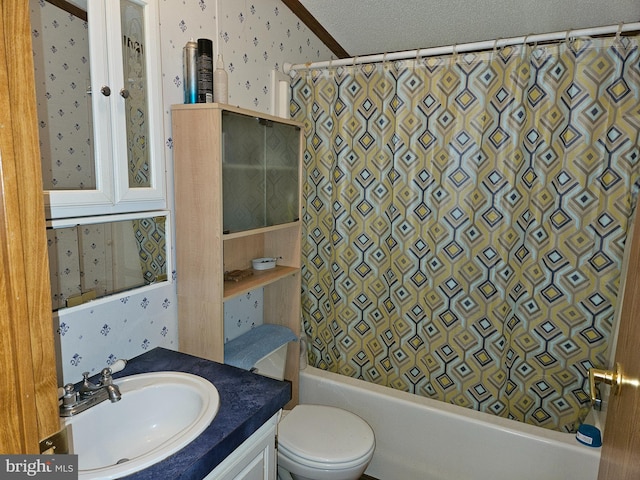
281,152
259,172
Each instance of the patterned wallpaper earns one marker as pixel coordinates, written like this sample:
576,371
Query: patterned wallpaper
243,313
255,38
94,337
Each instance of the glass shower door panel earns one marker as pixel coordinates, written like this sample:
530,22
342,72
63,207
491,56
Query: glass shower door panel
281,176
243,164
135,94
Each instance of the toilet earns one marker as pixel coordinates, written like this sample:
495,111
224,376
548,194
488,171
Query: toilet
317,442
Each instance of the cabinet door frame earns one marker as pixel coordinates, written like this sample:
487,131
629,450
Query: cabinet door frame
124,194
60,203
256,453
112,193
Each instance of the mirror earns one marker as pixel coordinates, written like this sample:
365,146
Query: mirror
90,261
60,36
135,74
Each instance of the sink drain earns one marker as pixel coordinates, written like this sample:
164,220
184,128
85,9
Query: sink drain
122,460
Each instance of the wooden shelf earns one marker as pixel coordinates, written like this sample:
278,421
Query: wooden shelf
249,167
204,251
257,231
260,278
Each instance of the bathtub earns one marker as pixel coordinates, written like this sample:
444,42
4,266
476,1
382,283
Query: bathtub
422,439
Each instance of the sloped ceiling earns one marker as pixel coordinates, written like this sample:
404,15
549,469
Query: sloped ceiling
363,27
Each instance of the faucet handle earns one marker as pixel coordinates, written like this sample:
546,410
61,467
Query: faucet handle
87,387
105,377
70,395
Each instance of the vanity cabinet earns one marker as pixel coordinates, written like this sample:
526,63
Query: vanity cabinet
98,88
237,187
255,459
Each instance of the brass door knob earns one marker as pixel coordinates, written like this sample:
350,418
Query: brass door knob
613,378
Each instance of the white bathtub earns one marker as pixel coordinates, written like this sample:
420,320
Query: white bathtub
422,439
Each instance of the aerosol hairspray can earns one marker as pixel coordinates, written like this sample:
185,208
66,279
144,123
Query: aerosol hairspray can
205,70
190,71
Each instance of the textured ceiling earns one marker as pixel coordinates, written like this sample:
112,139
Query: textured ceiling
364,27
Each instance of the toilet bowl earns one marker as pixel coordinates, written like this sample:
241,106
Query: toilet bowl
315,442
318,442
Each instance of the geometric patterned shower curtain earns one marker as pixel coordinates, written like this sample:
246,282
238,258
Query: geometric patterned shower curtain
465,220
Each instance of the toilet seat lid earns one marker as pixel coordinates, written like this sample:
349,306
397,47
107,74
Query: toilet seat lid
322,434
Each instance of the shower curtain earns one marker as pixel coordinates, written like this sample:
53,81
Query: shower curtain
465,220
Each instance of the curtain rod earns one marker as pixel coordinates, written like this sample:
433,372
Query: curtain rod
467,47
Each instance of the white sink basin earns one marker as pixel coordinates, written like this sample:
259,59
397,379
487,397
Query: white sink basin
159,413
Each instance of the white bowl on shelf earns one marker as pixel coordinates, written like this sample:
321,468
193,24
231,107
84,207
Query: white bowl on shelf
264,263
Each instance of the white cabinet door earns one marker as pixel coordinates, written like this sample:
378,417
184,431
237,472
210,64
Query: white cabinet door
99,107
255,459
136,109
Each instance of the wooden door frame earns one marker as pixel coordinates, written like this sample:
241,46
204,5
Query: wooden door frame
28,384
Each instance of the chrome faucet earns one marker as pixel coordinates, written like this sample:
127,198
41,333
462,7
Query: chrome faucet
89,394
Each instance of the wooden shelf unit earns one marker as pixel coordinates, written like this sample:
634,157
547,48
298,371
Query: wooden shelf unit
258,279
204,253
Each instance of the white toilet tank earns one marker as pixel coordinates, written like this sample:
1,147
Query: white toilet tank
272,364
262,350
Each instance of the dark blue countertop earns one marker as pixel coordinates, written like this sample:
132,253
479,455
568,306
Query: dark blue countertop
247,401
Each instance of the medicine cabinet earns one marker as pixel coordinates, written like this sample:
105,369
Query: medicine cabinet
97,74
103,256
237,183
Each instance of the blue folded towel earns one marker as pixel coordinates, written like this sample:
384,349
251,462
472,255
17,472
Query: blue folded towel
244,351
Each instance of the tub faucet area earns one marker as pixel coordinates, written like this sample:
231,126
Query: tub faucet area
89,394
